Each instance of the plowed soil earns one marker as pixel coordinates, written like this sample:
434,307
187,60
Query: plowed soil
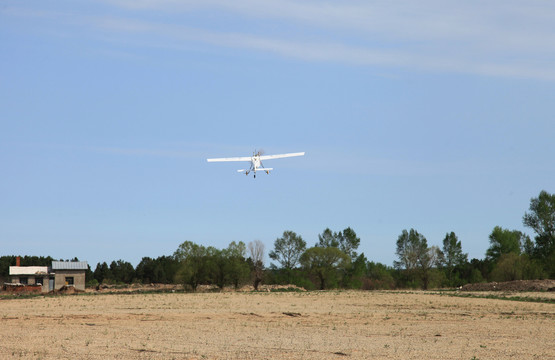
303,325
517,285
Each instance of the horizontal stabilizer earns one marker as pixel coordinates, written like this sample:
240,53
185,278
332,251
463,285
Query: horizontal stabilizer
264,169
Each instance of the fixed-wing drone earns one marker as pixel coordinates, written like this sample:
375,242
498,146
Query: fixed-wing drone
256,161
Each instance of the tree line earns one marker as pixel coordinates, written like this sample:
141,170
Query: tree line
333,261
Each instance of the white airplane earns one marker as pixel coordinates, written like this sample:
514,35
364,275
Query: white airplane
256,161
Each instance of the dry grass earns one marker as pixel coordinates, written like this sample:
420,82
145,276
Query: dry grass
311,325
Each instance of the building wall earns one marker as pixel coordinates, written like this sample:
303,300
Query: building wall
78,278
22,288
43,279
32,280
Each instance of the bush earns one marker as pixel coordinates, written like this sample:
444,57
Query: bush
92,283
476,277
378,284
508,268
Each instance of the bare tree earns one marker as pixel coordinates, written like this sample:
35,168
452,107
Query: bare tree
256,252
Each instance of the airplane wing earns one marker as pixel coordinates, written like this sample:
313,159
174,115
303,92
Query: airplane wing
279,156
243,158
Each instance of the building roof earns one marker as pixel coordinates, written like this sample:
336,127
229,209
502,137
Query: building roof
69,265
28,270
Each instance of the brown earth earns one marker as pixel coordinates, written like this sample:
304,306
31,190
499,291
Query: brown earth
517,285
275,325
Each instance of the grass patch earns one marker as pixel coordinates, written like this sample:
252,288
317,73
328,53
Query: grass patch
8,296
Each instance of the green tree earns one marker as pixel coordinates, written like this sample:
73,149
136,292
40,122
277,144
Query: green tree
452,255
328,239
415,258
348,242
353,274
508,267
528,247
160,270
378,277
195,263
428,262
324,262
89,277
145,270
532,268
541,219
504,241
122,271
237,266
478,270
217,260
287,251
410,248
102,273
5,262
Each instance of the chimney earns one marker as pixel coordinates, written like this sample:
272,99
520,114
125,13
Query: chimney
18,261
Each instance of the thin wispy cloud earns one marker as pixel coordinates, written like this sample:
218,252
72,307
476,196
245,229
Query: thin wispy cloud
509,23
188,150
149,152
505,39
363,164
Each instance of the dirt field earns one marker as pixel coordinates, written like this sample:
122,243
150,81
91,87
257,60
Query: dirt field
308,325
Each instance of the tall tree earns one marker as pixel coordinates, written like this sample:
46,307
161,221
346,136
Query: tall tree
327,239
287,251
256,252
354,273
219,261
324,262
122,271
348,242
541,218
504,241
452,255
5,262
410,248
159,270
428,260
237,266
414,256
102,273
195,264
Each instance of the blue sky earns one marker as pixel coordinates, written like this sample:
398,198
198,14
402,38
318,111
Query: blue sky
437,116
